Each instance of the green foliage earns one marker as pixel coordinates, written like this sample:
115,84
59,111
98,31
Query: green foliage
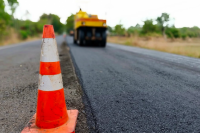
183,36
119,29
131,30
54,20
23,34
40,24
26,28
134,30
2,28
4,19
149,27
70,23
110,29
173,32
58,26
4,16
46,16
190,32
162,22
29,28
163,19
13,4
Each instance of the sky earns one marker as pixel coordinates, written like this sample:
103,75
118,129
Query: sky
183,13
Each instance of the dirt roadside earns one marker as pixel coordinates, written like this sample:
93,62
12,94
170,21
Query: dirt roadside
73,91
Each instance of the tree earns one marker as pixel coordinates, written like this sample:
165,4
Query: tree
58,26
4,16
173,32
119,29
134,30
196,30
13,4
162,22
70,23
190,32
148,27
54,20
47,18
131,30
4,19
110,29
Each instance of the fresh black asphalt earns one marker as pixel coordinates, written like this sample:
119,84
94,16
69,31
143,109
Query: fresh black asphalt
129,89
125,89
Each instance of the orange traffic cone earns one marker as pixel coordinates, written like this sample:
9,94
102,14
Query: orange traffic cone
52,115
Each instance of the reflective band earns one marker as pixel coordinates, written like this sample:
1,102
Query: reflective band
50,82
49,52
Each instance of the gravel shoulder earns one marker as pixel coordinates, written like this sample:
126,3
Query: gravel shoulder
73,91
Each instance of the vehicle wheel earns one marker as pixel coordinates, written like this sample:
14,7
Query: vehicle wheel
103,43
98,34
89,34
81,37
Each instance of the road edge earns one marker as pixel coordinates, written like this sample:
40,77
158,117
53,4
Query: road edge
91,120
73,91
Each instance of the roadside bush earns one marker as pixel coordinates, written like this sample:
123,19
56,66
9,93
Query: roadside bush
183,36
172,33
2,29
191,34
23,34
149,27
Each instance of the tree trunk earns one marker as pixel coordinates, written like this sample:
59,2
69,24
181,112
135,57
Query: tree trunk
163,32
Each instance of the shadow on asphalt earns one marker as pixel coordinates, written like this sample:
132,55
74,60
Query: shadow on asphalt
90,45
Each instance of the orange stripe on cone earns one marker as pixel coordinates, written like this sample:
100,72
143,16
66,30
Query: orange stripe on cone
48,31
50,68
51,109
52,115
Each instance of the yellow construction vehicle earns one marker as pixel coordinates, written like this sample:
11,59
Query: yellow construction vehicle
88,29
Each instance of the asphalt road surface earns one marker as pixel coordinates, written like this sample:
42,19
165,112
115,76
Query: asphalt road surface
19,71
19,68
130,89
125,89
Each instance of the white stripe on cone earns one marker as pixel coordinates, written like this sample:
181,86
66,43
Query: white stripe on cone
49,52
50,82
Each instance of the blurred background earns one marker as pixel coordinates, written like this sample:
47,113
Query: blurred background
167,25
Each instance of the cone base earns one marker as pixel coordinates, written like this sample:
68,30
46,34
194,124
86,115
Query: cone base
68,127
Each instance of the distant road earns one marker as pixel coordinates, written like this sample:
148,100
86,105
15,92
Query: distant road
130,89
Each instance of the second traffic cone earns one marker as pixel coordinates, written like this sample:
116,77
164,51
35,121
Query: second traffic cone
51,115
